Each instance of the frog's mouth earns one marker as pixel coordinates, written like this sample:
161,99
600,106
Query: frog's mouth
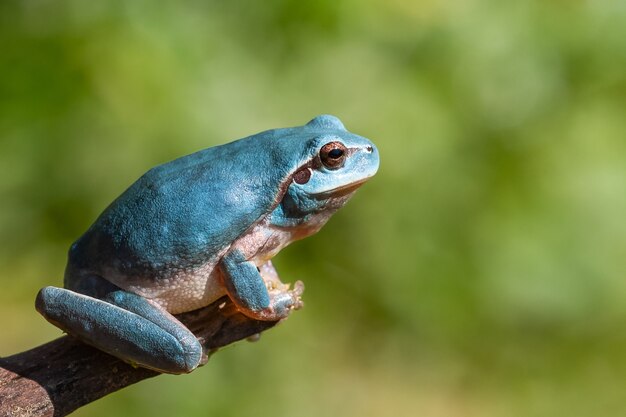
342,190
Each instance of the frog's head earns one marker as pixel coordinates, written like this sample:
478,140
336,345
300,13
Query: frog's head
336,163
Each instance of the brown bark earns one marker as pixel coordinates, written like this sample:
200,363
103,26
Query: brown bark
58,377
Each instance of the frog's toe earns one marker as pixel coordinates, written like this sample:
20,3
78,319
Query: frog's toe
298,288
284,302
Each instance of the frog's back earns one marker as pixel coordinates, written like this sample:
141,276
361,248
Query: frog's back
181,215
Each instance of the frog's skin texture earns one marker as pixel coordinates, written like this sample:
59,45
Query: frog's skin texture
200,227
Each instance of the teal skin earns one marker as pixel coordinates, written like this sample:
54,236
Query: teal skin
200,227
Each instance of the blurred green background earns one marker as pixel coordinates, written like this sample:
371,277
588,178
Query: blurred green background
480,273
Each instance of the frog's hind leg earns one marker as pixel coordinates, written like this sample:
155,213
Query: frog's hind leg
124,325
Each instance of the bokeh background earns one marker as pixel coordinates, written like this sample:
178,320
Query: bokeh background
480,273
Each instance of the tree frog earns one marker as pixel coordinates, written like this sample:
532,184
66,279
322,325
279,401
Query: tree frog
200,227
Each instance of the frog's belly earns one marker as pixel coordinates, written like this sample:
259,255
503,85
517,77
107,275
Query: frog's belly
186,290
193,289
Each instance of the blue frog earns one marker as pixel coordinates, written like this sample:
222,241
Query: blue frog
200,227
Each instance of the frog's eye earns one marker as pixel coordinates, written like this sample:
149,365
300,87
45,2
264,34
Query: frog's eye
333,155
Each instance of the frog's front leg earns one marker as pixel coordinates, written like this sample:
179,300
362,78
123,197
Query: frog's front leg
122,324
258,293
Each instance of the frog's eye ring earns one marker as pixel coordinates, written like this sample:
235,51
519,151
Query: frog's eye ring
333,155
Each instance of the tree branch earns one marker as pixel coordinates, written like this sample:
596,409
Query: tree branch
56,378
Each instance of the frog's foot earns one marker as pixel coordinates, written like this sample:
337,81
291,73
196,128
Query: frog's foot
259,293
282,302
278,290
124,325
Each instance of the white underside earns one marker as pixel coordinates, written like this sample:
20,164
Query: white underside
197,288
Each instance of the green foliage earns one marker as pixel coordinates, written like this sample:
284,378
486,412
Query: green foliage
481,273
